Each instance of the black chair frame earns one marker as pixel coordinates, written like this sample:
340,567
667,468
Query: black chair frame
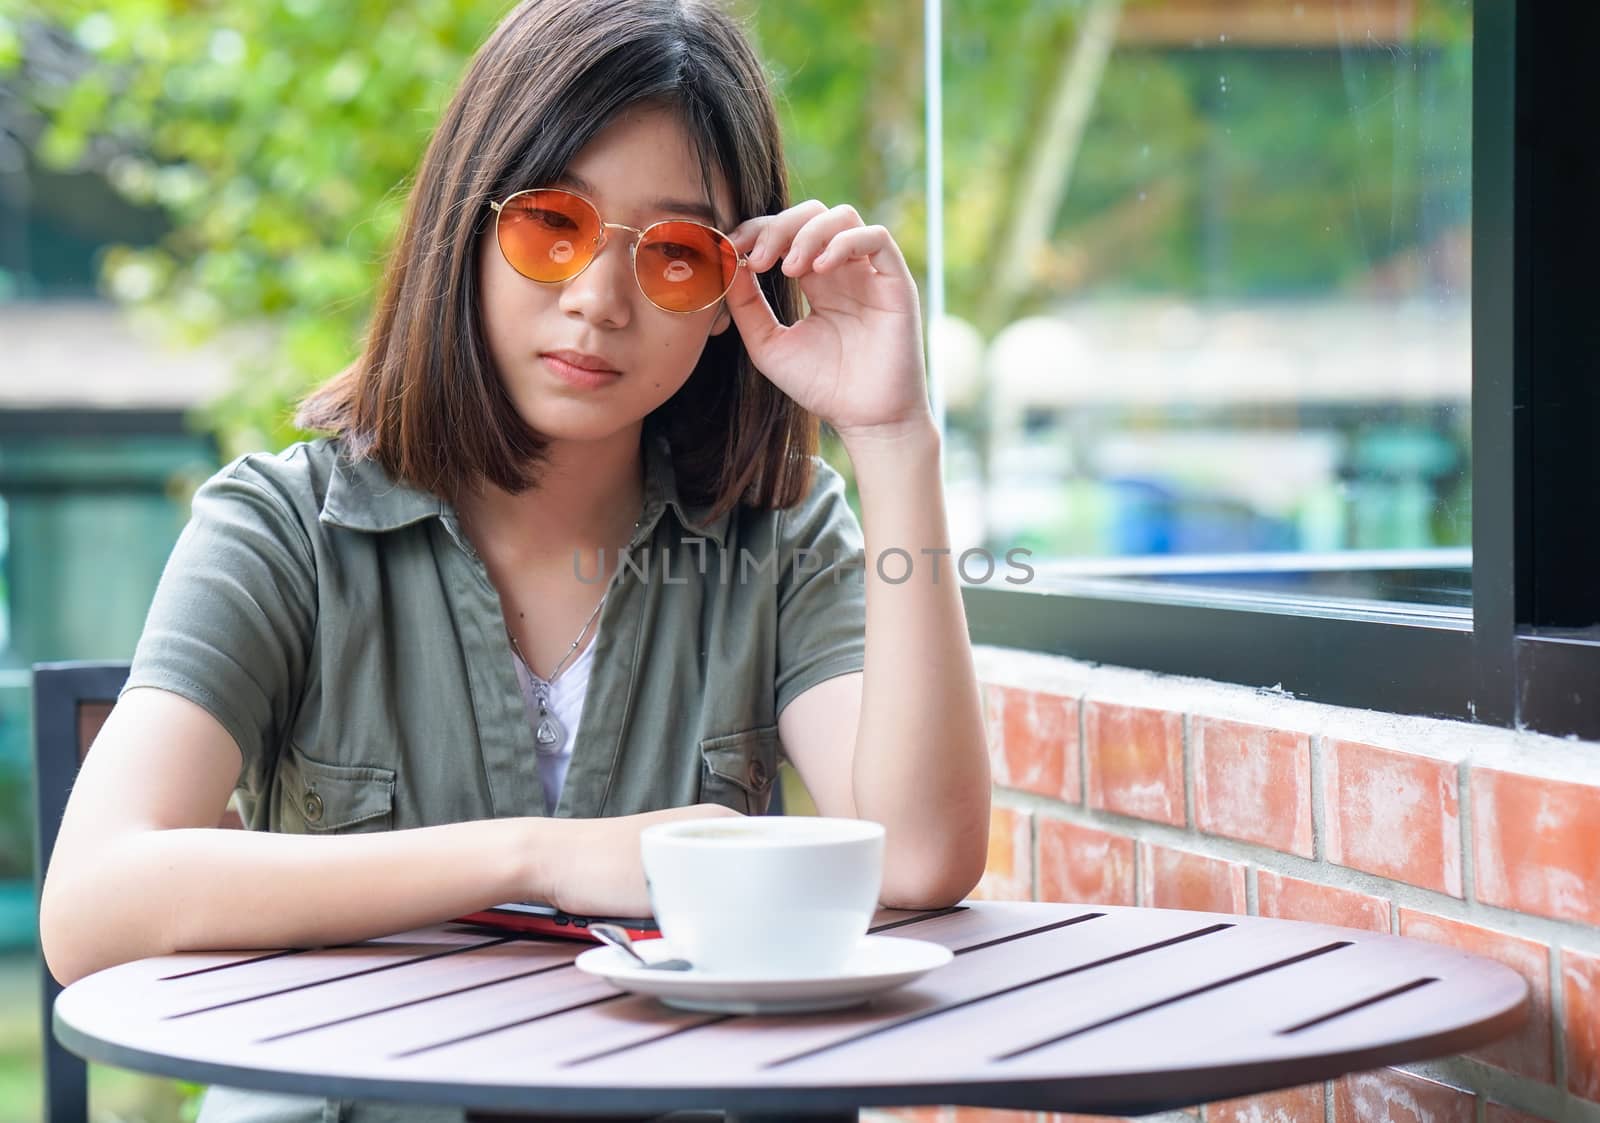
60,691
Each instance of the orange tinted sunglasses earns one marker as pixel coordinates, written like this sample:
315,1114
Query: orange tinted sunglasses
550,235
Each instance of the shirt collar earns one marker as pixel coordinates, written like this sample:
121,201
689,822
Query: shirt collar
362,496
661,493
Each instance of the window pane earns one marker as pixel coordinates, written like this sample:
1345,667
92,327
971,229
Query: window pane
1207,270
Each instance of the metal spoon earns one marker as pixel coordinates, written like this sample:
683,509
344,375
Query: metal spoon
618,938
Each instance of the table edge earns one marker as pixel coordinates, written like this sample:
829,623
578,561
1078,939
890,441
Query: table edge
1092,1094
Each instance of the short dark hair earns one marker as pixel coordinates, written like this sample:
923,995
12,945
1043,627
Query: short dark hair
423,399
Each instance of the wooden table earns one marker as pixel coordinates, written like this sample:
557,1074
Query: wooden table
1046,1006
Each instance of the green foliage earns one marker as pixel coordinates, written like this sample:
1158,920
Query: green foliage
280,136
1216,170
848,80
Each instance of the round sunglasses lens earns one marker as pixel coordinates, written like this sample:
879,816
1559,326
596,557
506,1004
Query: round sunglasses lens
547,235
684,267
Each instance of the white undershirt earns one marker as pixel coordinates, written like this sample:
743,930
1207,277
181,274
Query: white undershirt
566,699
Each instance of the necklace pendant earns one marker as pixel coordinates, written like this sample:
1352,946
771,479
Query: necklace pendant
549,733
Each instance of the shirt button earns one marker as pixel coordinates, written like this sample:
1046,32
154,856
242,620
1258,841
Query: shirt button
758,774
313,806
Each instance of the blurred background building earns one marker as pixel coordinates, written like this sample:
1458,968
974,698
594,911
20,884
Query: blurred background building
96,456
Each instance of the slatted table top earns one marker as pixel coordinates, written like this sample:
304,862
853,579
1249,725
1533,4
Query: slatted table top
1045,1006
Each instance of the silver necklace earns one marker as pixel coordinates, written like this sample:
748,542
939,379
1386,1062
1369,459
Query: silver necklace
550,734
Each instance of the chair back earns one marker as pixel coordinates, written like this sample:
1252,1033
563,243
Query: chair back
71,701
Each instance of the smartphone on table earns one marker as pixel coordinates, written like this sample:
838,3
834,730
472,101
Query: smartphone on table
538,918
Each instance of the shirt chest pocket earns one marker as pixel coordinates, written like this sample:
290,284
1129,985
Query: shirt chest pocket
319,798
738,769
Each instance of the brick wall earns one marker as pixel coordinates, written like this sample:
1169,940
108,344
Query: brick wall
1121,787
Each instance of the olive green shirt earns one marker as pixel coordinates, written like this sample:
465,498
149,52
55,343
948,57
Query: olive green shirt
342,628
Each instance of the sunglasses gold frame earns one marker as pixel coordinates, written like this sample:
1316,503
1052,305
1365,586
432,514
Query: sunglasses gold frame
633,246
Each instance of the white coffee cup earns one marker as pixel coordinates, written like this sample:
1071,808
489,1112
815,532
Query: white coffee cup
764,895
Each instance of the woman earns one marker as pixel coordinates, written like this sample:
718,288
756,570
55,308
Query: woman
566,564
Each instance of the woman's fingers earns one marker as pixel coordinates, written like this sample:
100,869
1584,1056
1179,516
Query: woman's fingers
874,243
767,238
813,237
810,237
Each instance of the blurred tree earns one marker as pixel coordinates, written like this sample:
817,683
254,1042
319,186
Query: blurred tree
1209,168
280,137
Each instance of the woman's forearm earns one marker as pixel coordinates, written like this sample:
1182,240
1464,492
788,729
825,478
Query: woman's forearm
154,892
921,763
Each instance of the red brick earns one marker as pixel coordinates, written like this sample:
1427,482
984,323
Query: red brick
1036,735
1069,1117
1292,1105
1083,864
1177,879
1135,761
1580,983
950,1114
1533,844
910,1114
1394,814
1498,1113
1501,1114
1527,1052
1290,898
1252,783
1009,874
1388,1095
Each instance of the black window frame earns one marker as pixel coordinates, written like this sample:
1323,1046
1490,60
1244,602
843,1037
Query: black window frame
1528,655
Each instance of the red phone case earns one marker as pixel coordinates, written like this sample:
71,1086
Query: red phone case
563,926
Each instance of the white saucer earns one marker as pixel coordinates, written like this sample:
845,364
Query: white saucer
879,963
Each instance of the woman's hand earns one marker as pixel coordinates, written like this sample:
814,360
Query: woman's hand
856,359
602,873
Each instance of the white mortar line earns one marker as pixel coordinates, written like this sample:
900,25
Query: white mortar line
1138,870
1469,865
1319,811
1558,1016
